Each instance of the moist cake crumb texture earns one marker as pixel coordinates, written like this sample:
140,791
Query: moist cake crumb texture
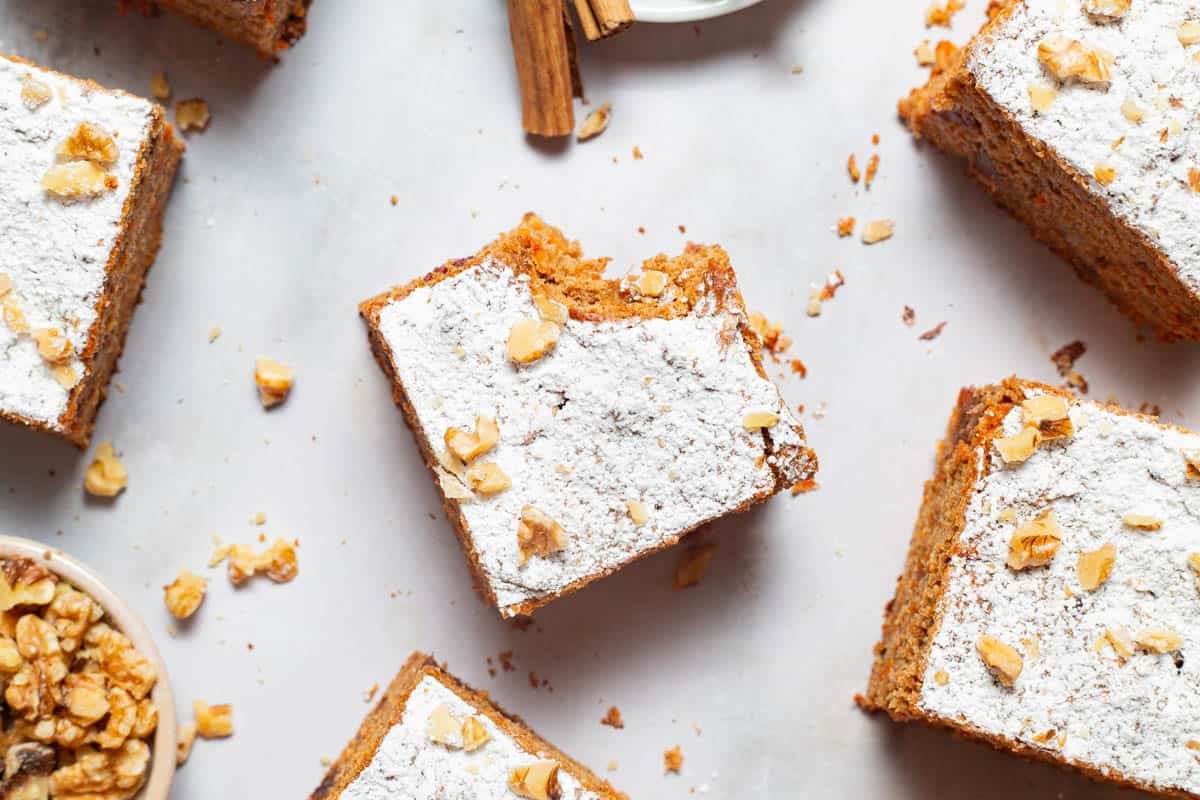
56,252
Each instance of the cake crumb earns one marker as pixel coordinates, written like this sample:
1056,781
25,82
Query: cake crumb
274,381
1064,359
159,86
933,332
612,765
693,565
637,153
771,334
845,226
908,316
613,718
798,368
805,486
943,16
878,230
393,200
192,114
852,168
595,123
924,54
872,170
214,333
673,759
326,761
370,693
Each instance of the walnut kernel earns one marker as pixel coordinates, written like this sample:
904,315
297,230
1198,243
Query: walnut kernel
34,93
1050,414
1034,543
184,595
1191,460
1095,567
878,230
1003,661
1142,522
274,381
530,339
213,722
1041,97
1108,9
1188,32
754,420
77,180
1158,640
1017,449
538,534
106,476
637,511
467,446
486,478
1068,59
536,781
52,345
91,143
652,283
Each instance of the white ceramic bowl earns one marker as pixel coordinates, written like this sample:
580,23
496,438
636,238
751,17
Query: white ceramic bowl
124,619
685,10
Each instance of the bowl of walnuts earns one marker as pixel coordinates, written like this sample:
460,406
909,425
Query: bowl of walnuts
86,705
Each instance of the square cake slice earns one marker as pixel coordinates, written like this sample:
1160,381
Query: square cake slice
270,26
576,423
433,738
1079,116
1050,605
84,178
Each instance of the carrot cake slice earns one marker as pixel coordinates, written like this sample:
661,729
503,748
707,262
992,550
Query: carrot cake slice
84,181
1079,116
433,738
576,423
270,26
1051,599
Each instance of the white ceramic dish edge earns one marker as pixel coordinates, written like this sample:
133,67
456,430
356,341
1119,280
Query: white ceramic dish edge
162,759
686,10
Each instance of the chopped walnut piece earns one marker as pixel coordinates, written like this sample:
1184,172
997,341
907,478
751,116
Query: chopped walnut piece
1041,97
213,722
924,54
443,728
1142,522
872,170
1017,449
34,93
52,345
467,446
550,310
637,511
1068,59
14,317
85,698
613,718
77,180
91,143
160,87
1049,414
1106,9
1120,640
754,420
103,774
673,760
487,478
474,734
120,660
1095,567
530,339
536,781
106,476
1132,111
27,769
538,534
693,565
1004,662
66,377
1188,32
274,381
1158,640
192,114
183,746
877,231
941,677
652,282
1034,543
184,595
594,123
943,15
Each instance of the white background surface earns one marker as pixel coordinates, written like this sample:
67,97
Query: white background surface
281,223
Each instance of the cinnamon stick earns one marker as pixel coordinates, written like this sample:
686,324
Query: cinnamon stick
603,18
545,68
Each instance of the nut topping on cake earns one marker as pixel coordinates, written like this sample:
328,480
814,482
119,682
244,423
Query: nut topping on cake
486,477
1017,449
77,180
1004,662
34,93
467,446
1132,111
1188,33
1041,97
474,734
1094,568
1159,640
1142,522
106,476
652,283
1104,174
1068,59
1034,543
530,339
91,143
446,729
637,511
1191,460
1049,414
538,534
1107,9
550,310
52,345
753,420
536,781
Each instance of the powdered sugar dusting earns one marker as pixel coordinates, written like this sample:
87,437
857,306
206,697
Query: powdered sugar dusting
1135,717
408,766
55,254
646,410
1153,70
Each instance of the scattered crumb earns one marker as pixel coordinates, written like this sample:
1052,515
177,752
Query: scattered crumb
797,69
1064,359
505,659
278,562
612,765
693,565
214,333
683,229
522,624
877,231
852,168
393,199
933,332
1150,409
771,334
798,368
274,381
819,410
943,15
370,693
673,759
924,54
805,486
845,226
326,761
41,36
186,737
875,138
213,722
192,114
594,123
872,170
159,86
260,518
908,316
637,153
820,294
613,718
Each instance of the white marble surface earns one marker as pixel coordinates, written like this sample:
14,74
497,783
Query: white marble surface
281,224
